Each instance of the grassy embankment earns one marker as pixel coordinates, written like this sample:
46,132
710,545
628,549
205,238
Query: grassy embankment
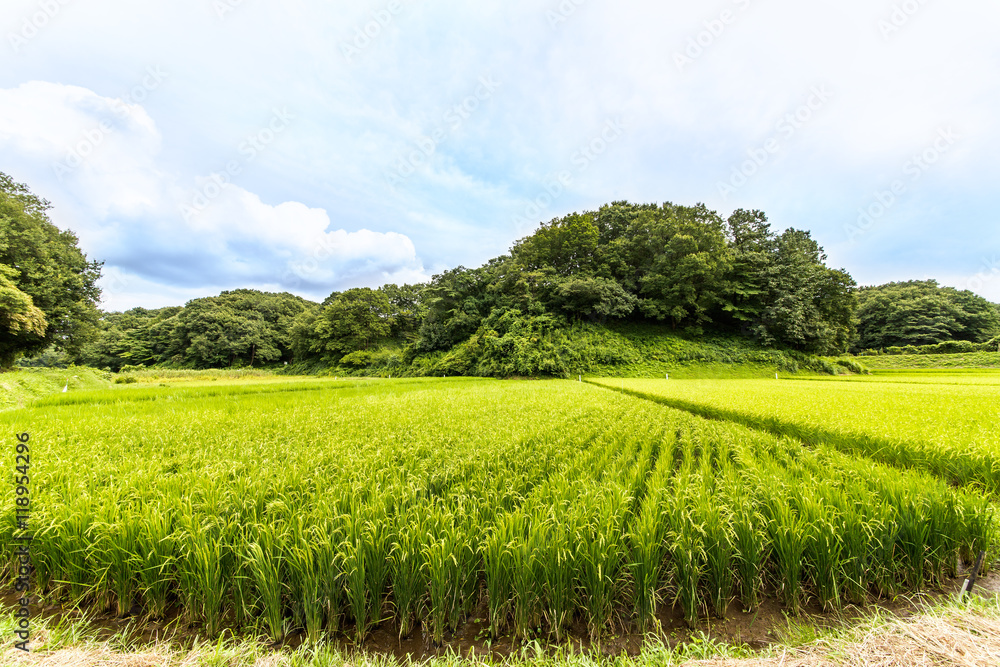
623,350
931,361
20,387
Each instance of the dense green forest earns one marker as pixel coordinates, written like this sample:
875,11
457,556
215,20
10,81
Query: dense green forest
583,291
923,313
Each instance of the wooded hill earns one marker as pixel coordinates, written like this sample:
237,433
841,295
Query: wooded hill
685,269
583,291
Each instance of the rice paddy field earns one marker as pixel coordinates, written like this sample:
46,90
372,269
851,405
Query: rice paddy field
329,508
945,424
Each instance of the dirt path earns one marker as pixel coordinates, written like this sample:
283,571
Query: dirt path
949,637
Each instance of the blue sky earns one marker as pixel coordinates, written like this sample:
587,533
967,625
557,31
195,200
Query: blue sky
307,146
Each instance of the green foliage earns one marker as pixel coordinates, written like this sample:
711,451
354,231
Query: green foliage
809,307
48,287
236,328
510,343
688,261
135,337
22,325
354,320
681,265
596,299
921,313
349,325
241,327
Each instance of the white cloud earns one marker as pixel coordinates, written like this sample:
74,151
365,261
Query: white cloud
559,84
99,159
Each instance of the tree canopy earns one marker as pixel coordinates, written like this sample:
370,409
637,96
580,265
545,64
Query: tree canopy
922,312
683,266
49,287
241,327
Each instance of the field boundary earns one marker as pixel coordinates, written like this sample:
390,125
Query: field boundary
957,634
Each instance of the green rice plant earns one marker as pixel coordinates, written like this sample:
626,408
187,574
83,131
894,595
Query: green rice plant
499,570
203,558
564,501
113,550
74,538
601,556
978,529
356,555
409,567
686,541
942,545
304,580
854,531
823,548
788,536
884,551
265,561
556,553
441,553
526,581
718,545
943,426
647,536
750,551
912,531
154,560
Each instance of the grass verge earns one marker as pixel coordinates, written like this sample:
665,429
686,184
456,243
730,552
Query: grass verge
948,633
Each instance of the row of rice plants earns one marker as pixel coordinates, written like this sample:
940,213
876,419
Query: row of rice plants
946,429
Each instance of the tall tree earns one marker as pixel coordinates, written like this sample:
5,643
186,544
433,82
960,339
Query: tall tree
809,306
684,259
49,267
355,320
22,325
753,251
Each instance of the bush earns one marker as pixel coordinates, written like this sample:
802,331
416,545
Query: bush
852,366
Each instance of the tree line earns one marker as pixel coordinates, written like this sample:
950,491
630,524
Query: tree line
685,268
